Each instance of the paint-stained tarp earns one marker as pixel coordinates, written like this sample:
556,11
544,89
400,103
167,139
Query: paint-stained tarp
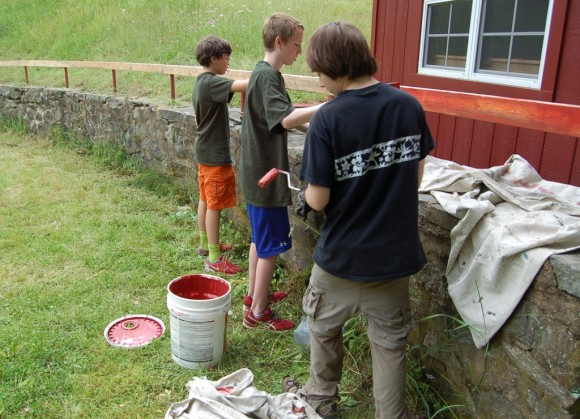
236,397
510,222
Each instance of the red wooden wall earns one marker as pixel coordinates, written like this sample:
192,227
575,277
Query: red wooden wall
396,33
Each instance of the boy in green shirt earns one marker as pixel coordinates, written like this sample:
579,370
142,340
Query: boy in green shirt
268,115
217,181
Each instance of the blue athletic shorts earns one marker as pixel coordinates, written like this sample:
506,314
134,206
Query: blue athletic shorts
270,230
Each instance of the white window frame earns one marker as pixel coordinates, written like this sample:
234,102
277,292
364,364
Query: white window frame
469,72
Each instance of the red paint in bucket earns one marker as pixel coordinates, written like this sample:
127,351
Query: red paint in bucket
199,287
198,306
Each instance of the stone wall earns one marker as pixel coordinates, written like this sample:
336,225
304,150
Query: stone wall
529,370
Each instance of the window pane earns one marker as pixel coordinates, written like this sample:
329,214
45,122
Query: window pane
506,46
495,53
526,54
437,51
460,16
498,16
457,51
531,15
439,18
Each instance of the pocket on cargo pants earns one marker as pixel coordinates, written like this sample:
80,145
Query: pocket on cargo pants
311,300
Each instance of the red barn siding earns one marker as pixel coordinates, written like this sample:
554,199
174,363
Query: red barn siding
557,158
567,86
530,145
462,139
481,146
396,42
504,144
444,149
575,175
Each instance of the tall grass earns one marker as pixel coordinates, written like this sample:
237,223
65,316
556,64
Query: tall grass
152,31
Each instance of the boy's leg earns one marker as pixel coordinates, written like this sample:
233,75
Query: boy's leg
328,301
270,237
389,382
252,265
388,310
212,226
272,296
201,211
263,277
220,192
270,228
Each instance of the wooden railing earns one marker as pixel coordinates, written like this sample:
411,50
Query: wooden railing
542,116
304,83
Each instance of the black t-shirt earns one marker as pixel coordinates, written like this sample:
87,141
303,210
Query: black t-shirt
365,145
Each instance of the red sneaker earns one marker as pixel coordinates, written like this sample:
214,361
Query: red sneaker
222,265
273,297
270,319
223,248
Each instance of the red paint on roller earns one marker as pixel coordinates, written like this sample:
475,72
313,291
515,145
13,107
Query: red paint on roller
269,177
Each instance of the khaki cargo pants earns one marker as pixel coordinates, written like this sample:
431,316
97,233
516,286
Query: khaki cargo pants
329,302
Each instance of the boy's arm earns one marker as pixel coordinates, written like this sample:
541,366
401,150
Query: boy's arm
421,171
303,128
239,85
317,196
300,116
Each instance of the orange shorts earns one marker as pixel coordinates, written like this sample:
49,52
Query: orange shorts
217,186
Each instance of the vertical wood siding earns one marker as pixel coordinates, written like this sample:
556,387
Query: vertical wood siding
395,43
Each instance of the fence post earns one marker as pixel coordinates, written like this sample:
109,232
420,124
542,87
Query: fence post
66,77
26,73
114,81
172,82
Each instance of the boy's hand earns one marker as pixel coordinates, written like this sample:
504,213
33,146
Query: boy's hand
302,208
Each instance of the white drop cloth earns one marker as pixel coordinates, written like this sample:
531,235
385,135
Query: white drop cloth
511,221
236,397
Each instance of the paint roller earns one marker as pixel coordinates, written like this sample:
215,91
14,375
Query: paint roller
273,174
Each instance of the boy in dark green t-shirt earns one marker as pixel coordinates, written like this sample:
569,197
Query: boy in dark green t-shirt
217,181
268,115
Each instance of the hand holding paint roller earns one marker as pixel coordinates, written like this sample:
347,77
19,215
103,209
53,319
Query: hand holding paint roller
273,174
302,207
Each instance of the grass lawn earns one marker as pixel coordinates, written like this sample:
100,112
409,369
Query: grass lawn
81,245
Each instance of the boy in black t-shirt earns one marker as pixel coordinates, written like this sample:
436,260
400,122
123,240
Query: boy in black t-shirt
363,162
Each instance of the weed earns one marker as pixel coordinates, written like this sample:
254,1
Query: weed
16,125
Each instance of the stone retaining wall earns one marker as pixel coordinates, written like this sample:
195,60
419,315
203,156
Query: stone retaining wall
530,369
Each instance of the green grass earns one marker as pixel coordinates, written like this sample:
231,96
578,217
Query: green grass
89,236
150,31
83,243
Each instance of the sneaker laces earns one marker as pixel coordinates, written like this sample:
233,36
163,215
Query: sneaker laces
275,316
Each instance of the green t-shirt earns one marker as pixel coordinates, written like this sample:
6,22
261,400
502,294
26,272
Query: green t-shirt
264,140
211,95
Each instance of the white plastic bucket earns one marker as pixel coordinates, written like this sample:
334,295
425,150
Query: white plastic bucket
198,308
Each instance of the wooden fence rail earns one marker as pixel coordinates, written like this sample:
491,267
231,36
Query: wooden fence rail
542,116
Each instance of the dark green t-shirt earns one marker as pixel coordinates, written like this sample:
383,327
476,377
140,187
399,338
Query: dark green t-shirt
264,140
211,95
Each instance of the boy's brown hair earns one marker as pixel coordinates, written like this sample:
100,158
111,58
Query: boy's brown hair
279,24
211,46
340,49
